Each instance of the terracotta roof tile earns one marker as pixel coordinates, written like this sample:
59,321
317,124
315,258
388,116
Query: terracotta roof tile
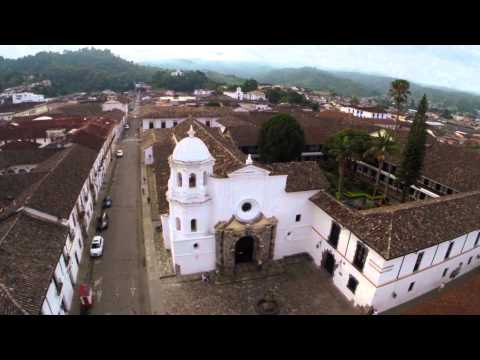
29,252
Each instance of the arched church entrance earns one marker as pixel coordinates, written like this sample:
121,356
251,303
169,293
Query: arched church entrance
244,250
238,242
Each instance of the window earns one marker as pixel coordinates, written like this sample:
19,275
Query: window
470,260
445,272
178,225
179,179
208,123
246,207
192,181
477,240
360,256
418,262
352,284
58,284
174,123
298,218
204,178
150,125
449,250
163,124
193,225
449,191
334,234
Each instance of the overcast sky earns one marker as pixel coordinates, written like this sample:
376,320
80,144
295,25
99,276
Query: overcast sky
453,66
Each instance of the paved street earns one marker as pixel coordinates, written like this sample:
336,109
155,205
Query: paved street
119,278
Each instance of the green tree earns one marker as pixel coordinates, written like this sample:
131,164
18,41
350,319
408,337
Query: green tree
414,152
281,139
399,91
381,145
346,146
354,101
274,95
249,85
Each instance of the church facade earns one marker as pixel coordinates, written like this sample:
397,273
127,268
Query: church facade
220,210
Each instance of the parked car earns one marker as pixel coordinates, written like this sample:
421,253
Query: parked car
102,221
119,153
107,202
96,249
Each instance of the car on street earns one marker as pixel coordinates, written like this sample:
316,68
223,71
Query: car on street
102,221
107,202
96,249
127,126
119,153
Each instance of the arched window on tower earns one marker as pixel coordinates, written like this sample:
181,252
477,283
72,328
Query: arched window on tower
192,181
178,224
179,179
204,178
193,225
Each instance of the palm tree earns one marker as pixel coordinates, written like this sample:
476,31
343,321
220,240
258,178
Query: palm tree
345,146
398,92
381,145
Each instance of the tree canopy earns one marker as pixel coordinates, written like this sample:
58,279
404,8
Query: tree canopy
85,70
344,147
189,81
281,139
414,152
249,85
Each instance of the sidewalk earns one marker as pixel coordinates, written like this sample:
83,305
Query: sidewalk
158,259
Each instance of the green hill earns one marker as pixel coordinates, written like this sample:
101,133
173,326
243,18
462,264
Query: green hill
73,71
365,85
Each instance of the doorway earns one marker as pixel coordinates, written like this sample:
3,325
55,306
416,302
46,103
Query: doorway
244,250
329,262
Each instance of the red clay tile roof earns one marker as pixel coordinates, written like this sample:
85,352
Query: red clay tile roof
58,192
29,252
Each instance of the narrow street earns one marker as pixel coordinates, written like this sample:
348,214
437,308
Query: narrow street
118,278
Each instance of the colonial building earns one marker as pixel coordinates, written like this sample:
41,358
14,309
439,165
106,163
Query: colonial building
366,112
220,210
251,95
47,203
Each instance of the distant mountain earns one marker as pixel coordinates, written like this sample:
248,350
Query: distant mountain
365,85
315,79
73,71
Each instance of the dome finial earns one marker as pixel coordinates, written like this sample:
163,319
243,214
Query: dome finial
191,132
249,160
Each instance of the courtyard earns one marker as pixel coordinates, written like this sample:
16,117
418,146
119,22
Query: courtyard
295,284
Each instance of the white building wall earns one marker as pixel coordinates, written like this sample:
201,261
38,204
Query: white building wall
168,123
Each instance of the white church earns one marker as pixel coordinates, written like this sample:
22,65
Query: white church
220,210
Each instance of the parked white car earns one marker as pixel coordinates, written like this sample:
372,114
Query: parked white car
119,153
96,249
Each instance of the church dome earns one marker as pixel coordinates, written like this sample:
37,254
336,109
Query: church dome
191,149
